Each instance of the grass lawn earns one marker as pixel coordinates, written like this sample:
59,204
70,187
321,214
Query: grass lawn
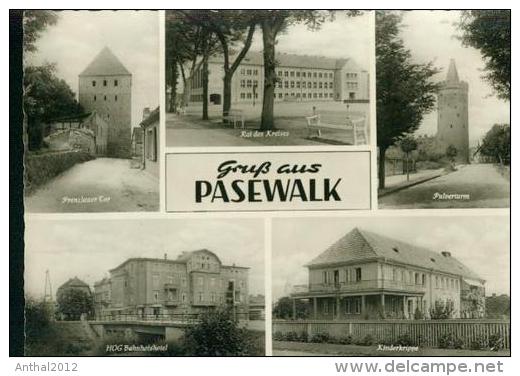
284,348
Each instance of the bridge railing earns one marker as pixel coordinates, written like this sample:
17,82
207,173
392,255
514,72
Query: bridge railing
169,317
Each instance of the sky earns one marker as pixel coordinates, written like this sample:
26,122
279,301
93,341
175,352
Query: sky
88,249
77,37
345,37
479,242
430,37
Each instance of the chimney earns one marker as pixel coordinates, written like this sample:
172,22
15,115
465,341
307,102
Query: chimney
166,256
446,254
146,112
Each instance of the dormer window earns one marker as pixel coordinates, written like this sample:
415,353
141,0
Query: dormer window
115,83
432,259
94,83
104,82
396,250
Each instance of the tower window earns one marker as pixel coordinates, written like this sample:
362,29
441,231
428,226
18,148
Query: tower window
94,83
105,97
104,82
115,98
451,125
115,82
94,98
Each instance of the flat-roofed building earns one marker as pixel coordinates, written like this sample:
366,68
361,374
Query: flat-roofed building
301,78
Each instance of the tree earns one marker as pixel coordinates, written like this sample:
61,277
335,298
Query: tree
283,309
72,303
45,97
497,143
405,92
37,318
34,22
489,31
230,27
216,333
408,144
189,42
272,22
498,306
451,153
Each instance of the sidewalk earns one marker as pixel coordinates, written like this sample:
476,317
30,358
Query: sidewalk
398,182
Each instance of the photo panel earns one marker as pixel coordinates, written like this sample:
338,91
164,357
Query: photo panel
145,287
443,108
92,112
307,83
392,285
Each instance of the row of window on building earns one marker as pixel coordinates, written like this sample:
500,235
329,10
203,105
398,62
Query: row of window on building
105,98
105,83
349,275
292,95
304,74
173,296
297,84
420,279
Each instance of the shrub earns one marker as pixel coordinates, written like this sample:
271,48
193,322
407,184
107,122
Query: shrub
496,342
479,343
217,334
291,336
345,340
39,168
321,338
367,340
404,340
303,337
450,341
278,336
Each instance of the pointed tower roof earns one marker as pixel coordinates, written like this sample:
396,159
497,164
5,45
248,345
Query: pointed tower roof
452,75
105,64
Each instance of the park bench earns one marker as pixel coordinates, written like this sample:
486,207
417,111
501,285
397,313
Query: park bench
353,121
235,117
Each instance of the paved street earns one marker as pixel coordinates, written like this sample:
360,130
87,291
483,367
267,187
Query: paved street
472,186
100,185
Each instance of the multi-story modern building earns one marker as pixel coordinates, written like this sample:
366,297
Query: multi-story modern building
300,78
193,283
365,275
105,86
452,115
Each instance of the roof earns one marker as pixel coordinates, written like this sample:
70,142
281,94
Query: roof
290,60
361,245
105,64
181,259
152,118
74,282
185,256
452,75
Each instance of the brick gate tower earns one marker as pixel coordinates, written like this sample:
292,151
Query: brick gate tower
452,115
105,86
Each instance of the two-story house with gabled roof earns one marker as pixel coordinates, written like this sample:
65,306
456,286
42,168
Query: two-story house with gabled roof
368,276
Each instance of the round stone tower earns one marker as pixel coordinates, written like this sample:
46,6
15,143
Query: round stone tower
452,115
